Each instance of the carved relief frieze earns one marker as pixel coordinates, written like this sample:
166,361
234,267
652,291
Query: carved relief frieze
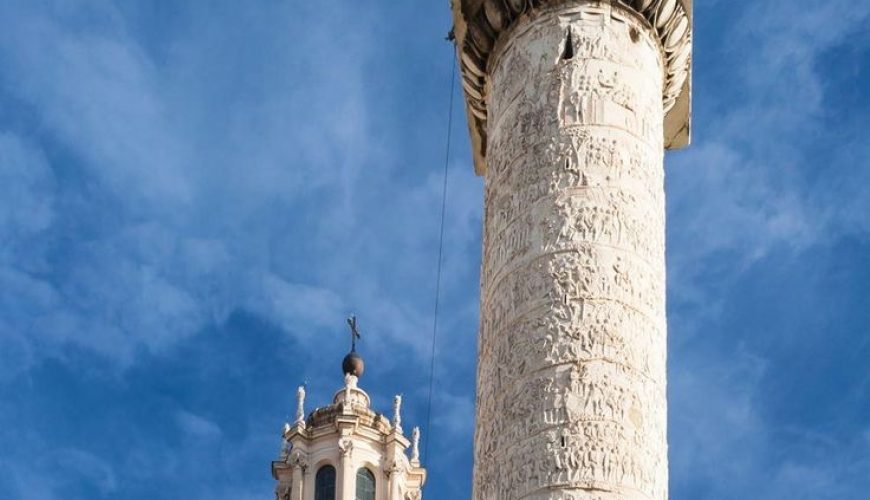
604,155
587,272
571,392
488,32
604,217
576,331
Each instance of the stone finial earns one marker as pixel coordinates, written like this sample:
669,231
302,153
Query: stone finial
415,445
397,413
300,406
350,381
349,386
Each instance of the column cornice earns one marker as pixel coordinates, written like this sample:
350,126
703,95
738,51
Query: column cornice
479,23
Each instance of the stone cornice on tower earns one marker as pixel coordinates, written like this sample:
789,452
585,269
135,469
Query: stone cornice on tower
478,25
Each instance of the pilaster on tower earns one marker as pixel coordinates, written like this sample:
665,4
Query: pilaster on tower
571,104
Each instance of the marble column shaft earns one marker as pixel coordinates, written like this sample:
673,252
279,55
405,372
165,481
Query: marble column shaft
571,397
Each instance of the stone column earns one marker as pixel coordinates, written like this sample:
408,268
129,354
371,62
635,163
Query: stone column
571,400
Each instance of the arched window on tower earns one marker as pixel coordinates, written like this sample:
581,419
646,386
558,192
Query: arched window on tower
324,483
365,484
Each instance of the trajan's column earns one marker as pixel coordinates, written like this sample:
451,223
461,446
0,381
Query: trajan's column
570,105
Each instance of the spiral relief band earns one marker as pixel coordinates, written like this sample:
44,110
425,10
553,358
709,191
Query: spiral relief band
571,105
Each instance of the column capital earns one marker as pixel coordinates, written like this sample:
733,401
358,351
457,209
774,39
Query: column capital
479,24
345,446
298,459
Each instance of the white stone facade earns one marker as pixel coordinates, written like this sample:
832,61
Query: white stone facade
348,436
571,110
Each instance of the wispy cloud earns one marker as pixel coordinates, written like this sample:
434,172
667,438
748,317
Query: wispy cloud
186,191
766,180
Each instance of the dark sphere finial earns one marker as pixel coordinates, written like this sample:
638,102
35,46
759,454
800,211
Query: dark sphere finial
353,364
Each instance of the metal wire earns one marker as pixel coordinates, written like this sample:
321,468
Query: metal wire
440,255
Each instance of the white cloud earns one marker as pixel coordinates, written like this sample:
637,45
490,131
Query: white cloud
197,426
742,189
198,190
746,190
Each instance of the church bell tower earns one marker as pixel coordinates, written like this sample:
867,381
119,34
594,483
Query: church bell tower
346,450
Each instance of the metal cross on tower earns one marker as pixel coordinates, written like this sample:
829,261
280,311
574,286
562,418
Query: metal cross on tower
354,332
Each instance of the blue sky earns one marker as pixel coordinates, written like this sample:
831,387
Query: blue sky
193,196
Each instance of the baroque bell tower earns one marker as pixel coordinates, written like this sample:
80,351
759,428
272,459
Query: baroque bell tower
346,450
570,105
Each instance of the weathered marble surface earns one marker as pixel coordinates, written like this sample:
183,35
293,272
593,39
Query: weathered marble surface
571,377
482,26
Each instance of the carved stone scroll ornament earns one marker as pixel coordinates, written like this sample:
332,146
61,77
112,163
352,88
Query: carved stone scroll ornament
298,459
346,446
395,466
481,24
